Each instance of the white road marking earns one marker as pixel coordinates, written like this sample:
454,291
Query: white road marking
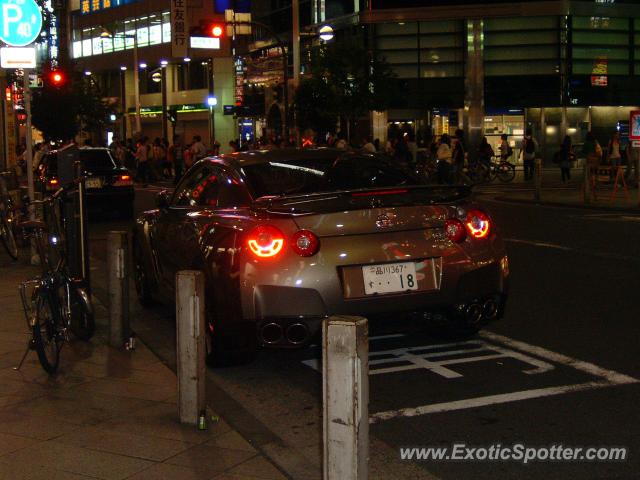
608,378
586,367
555,246
484,401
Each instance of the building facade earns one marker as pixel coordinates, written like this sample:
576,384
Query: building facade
175,83
491,67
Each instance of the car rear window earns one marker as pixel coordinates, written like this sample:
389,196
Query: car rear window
93,160
300,176
97,160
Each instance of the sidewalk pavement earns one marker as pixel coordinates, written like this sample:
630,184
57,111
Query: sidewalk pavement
108,414
572,196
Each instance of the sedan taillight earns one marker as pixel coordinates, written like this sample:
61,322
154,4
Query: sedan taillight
265,241
123,181
305,243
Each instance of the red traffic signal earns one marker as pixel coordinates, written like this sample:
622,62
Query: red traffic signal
216,31
57,78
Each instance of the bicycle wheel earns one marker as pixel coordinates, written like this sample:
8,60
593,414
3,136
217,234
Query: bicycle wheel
83,323
47,336
8,238
492,172
506,172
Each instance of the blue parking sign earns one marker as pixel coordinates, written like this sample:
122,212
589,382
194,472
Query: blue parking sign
20,22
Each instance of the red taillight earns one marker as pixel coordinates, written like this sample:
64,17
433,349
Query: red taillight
305,243
455,230
265,241
478,224
123,181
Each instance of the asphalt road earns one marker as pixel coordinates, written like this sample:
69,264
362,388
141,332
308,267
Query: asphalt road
560,368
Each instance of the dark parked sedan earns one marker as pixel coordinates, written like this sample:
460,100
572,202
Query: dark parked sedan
108,185
288,237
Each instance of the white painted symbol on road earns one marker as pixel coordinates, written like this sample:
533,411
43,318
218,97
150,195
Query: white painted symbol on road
437,358
437,362
606,378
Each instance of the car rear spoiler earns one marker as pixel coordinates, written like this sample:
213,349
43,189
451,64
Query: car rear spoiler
364,198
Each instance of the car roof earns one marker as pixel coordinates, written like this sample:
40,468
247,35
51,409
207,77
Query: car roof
82,149
256,157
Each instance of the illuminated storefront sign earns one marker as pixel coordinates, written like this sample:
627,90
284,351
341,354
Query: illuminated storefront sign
92,6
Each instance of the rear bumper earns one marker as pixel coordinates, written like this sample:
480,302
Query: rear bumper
288,316
119,195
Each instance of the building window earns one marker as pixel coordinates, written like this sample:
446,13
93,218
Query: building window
148,30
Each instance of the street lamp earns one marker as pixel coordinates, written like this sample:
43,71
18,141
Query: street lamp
136,71
212,101
325,32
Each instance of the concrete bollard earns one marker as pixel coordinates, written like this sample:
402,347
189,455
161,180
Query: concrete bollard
190,336
118,288
345,388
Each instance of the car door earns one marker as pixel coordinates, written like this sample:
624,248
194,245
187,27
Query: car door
177,228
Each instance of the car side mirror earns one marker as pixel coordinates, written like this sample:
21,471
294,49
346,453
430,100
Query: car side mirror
162,200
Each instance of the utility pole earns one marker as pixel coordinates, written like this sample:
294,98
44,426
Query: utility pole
28,154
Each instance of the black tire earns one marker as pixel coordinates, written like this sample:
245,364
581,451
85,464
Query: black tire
83,322
8,238
506,172
141,279
47,337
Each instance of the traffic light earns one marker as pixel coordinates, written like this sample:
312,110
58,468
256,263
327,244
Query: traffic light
216,30
57,78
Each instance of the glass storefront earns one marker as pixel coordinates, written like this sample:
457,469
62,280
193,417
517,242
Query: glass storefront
152,29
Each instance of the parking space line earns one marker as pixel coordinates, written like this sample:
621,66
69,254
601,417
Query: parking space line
484,401
589,368
607,378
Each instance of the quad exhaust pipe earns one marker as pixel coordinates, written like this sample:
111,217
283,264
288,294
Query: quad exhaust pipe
271,333
482,310
295,334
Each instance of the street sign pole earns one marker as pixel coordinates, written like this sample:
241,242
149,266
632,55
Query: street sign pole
28,154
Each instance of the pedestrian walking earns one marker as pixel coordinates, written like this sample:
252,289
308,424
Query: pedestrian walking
614,153
175,154
592,150
198,150
485,153
369,147
529,150
506,151
566,157
458,154
142,159
444,159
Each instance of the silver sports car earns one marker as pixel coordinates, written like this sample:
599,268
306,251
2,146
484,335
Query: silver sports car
287,238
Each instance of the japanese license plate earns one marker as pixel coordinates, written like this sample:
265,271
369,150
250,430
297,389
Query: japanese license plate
389,278
93,183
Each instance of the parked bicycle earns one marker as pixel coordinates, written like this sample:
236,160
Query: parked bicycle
58,303
8,216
